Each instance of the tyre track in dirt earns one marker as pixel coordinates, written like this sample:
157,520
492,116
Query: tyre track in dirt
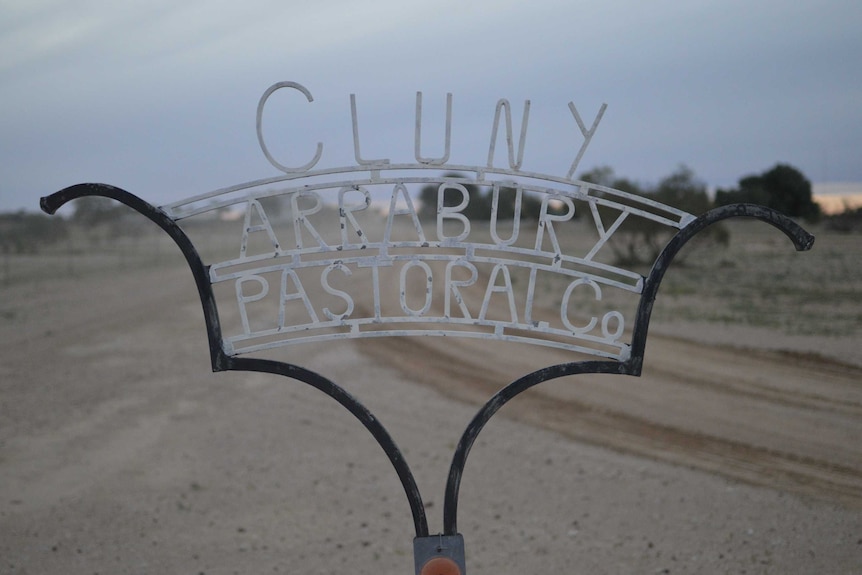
777,419
833,392
783,420
425,362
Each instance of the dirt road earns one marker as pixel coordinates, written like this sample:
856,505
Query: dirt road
120,452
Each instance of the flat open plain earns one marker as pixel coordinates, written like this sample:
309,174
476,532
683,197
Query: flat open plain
739,450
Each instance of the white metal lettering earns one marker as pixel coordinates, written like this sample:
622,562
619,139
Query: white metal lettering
445,212
356,153
299,294
308,165
347,305
493,288
400,192
252,207
515,164
324,283
300,217
564,306
429,284
604,235
417,144
617,317
546,223
244,299
588,135
346,211
516,217
453,287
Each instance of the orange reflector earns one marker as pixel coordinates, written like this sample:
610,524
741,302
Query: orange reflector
440,566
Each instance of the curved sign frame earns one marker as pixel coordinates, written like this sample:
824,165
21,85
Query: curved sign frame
448,244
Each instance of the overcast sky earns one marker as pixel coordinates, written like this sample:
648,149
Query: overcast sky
159,97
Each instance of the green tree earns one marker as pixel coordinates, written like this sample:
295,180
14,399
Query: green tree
683,190
782,187
24,232
639,240
479,206
95,210
104,219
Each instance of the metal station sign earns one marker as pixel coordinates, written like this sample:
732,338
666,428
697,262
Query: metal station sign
309,267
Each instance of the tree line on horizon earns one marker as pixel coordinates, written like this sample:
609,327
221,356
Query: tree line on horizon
781,187
638,240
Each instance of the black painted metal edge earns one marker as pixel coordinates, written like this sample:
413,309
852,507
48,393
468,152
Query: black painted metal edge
801,239
50,204
223,362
